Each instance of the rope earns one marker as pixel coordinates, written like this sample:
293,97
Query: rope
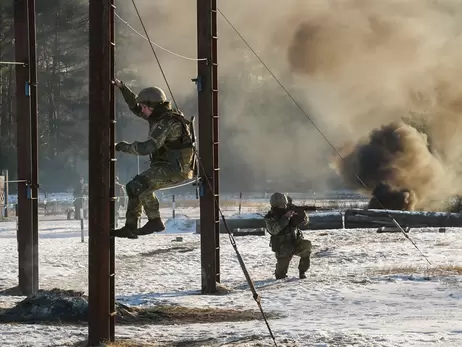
179,185
155,44
318,129
256,296
154,52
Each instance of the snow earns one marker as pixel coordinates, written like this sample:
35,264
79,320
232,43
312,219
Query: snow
345,301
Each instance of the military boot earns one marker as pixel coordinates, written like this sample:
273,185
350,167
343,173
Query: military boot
152,226
126,231
302,275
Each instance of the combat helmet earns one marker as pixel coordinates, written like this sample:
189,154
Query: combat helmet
151,96
278,200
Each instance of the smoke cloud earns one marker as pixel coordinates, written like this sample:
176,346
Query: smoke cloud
387,73
381,79
400,156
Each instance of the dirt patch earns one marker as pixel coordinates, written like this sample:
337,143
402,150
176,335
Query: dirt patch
184,315
120,343
70,307
178,249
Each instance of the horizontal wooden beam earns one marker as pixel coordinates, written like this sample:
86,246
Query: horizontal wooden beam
355,219
358,218
321,221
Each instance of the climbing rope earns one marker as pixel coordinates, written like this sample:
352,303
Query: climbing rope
318,129
155,54
191,181
256,296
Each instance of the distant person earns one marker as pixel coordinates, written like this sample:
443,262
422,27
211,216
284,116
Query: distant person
170,148
80,197
287,240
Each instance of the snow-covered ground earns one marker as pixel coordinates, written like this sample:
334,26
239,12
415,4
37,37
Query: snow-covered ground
345,301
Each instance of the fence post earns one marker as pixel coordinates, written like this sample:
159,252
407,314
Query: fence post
81,226
6,191
3,206
45,203
173,206
240,202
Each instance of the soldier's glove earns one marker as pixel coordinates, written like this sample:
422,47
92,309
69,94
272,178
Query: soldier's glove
122,146
297,219
118,83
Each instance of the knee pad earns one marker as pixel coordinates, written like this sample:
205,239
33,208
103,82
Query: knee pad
136,186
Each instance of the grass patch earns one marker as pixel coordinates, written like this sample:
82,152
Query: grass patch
253,340
163,315
441,270
69,307
185,315
119,343
179,249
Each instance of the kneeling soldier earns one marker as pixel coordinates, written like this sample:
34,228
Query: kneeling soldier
286,238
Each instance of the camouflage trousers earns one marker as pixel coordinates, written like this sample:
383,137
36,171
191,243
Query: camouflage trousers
140,191
285,253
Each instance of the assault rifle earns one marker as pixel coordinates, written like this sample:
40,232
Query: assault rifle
296,208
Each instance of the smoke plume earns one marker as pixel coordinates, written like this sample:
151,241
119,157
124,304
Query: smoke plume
400,156
371,74
387,73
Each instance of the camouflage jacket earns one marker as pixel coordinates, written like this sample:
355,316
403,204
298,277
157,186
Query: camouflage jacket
282,229
169,138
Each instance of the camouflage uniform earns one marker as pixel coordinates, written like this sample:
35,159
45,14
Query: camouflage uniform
286,238
171,153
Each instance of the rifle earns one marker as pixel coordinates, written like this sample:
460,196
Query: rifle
298,209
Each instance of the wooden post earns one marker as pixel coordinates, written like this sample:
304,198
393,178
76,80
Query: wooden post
101,168
207,86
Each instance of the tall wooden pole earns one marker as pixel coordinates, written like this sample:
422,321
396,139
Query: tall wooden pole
26,113
207,82
100,219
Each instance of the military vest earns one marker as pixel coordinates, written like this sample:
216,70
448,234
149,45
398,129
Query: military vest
180,152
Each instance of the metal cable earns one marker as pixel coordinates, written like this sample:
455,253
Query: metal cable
155,44
256,296
155,54
319,130
179,185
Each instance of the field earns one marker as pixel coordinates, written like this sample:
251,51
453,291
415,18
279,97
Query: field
363,288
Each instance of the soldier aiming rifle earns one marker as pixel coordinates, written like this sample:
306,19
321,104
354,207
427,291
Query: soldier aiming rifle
293,207
287,240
